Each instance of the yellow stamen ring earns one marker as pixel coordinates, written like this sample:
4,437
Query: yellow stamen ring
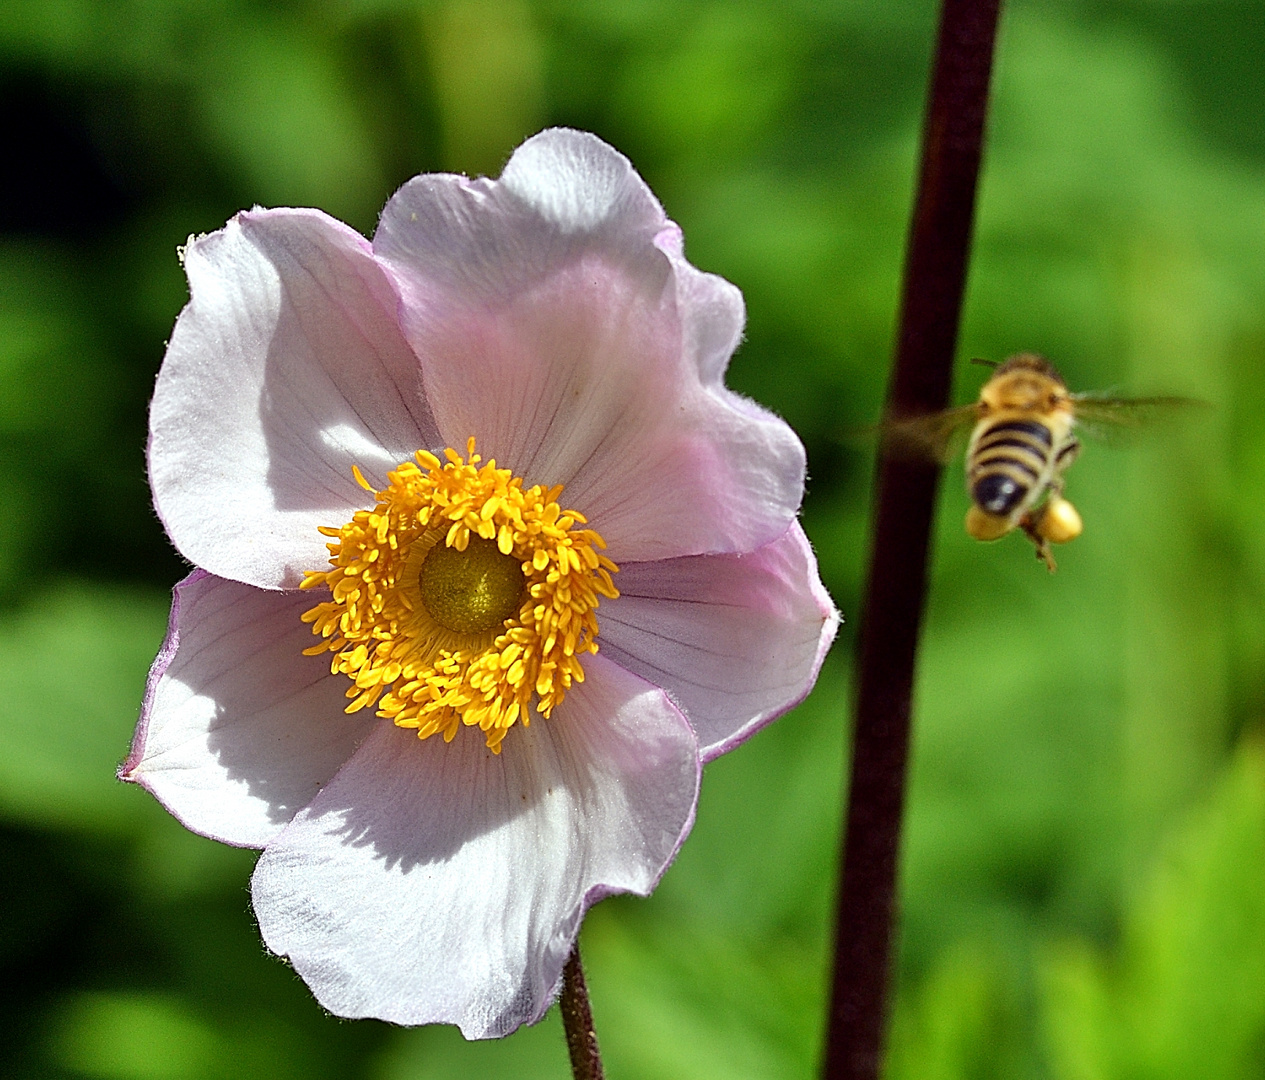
427,616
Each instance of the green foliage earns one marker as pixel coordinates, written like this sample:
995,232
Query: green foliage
1082,886
1182,997
69,705
962,1022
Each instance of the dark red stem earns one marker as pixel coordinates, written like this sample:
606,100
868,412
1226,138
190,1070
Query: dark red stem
577,1021
931,304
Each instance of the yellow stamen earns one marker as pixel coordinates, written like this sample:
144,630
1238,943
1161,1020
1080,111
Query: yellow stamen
460,598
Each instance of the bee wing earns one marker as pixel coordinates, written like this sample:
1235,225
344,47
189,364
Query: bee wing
930,436
1102,411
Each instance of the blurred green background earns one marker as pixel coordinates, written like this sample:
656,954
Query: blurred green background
1084,869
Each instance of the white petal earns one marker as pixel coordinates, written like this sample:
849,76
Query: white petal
439,883
559,325
239,730
579,184
736,640
562,192
286,368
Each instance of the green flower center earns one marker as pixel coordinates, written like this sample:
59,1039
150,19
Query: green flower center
471,591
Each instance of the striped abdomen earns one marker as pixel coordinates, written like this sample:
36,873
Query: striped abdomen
1012,460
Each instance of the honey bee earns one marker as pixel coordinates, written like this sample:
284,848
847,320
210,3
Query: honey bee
1021,443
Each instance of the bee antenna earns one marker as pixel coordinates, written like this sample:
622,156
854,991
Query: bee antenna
984,363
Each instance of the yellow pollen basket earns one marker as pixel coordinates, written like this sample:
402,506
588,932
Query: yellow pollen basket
460,598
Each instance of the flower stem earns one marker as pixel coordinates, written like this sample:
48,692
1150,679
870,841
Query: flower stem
577,1021
935,276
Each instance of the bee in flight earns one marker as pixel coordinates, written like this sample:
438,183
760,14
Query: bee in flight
1021,443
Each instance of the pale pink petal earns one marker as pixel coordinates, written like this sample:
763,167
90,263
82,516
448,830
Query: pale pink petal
736,640
239,730
439,883
559,325
285,369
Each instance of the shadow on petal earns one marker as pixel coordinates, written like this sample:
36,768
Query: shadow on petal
341,386
239,730
439,883
417,802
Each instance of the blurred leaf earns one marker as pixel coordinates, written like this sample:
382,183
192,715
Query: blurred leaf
486,56
710,1012
1183,998
57,400
964,1023
440,1053
134,1037
715,84
152,1036
277,103
67,709
52,379
1175,718
716,1007
757,865
1012,808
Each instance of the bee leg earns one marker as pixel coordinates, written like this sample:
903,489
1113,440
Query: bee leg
1039,542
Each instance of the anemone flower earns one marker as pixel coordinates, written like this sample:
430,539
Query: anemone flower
490,563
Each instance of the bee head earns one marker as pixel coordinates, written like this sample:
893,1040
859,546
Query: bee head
1025,381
